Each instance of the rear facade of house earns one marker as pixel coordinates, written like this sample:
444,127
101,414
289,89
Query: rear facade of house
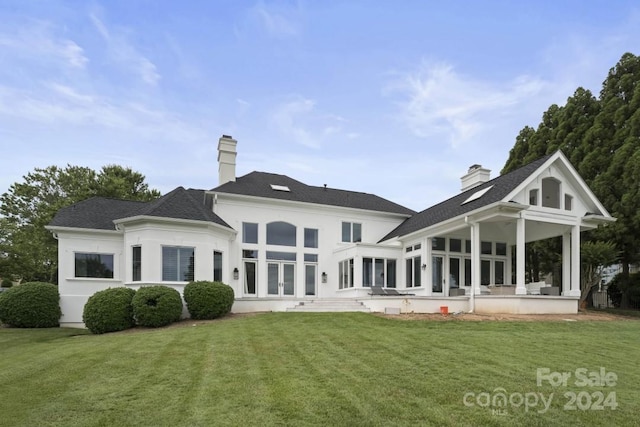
279,242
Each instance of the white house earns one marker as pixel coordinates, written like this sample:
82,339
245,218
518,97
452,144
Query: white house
281,244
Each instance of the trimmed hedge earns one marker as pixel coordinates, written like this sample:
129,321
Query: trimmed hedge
208,300
6,283
109,310
156,306
31,305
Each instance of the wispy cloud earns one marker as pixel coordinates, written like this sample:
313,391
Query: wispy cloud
288,118
300,121
55,103
38,41
277,21
125,53
437,100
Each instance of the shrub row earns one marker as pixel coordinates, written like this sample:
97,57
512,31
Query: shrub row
37,305
31,305
116,309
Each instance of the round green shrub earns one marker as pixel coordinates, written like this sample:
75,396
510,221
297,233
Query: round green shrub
208,300
31,305
109,311
6,283
156,306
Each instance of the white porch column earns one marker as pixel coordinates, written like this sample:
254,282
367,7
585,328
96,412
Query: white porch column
575,261
520,256
566,263
475,258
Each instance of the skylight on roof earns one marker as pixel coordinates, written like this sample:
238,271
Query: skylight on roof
280,188
477,195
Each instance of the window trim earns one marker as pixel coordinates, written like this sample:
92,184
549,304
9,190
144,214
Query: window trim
346,271
245,233
162,266
316,238
352,232
285,242
385,271
100,254
136,268
410,273
216,252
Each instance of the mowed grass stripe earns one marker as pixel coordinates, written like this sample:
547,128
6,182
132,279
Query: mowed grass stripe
308,369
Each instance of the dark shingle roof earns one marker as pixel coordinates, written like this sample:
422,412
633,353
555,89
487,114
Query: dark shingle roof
100,212
182,204
453,207
258,184
95,213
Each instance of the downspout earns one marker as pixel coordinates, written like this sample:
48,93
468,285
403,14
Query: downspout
472,299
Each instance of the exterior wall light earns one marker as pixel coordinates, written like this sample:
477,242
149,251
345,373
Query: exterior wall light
236,273
424,266
324,277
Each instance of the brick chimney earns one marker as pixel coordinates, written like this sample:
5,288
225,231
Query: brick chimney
475,176
226,159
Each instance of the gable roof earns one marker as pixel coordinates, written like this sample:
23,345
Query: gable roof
101,213
260,184
496,190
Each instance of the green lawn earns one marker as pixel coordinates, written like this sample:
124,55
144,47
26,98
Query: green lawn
316,369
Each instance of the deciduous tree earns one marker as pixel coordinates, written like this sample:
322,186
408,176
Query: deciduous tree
27,250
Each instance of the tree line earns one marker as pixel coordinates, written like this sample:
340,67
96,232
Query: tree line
28,252
601,137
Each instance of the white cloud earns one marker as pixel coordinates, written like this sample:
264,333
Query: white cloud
61,105
439,101
300,122
125,54
38,41
288,118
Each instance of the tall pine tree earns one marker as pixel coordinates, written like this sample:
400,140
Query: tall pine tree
601,138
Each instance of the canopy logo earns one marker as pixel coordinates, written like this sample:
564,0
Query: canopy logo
499,401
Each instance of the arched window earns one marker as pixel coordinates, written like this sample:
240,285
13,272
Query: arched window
281,233
551,193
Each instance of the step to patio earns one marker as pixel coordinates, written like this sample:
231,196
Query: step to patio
328,306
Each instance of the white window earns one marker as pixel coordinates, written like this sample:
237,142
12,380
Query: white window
178,264
249,232
351,232
551,193
310,238
310,278
136,264
533,197
345,271
379,272
568,202
413,272
94,265
250,277
217,266
281,233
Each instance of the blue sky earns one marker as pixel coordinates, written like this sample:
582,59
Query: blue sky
392,98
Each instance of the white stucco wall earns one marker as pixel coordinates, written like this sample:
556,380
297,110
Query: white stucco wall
327,220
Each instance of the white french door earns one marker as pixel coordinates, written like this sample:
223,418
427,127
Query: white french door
281,278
